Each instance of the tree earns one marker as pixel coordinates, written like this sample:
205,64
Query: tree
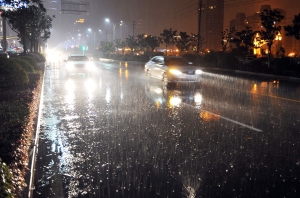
18,22
183,41
270,20
152,42
39,26
131,43
141,41
244,40
168,38
18,4
227,36
194,42
294,30
106,47
120,44
30,23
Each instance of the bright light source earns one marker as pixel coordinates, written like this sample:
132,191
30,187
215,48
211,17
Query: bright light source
176,72
198,71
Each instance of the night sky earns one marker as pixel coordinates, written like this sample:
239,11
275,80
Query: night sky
151,17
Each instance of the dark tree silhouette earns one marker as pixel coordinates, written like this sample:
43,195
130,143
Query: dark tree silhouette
294,30
183,41
168,38
152,42
270,20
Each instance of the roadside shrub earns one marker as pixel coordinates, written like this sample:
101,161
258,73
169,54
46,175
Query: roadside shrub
11,74
210,59
31,61
37,56
256,66
228,61
12,117
286,66
25,65
5,181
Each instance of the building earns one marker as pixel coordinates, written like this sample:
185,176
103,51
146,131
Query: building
289,44
212,17
239,22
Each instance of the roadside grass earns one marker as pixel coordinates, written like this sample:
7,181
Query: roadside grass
19,99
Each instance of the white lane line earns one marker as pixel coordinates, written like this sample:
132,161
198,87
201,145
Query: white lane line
236,122
230,120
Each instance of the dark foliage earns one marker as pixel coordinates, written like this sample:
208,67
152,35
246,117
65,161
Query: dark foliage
17,114
25,65
228,61
31,61
11,74
5,181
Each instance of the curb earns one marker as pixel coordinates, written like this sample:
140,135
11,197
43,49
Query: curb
36,140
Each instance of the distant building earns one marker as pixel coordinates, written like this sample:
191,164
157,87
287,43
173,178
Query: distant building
239,23
289,44
212,17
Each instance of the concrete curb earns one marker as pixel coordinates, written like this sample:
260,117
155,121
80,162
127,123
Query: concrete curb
36,139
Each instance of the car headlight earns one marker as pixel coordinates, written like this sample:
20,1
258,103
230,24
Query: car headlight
198,71
176,72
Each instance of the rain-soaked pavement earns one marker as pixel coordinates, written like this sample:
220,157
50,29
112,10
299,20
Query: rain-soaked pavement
117,134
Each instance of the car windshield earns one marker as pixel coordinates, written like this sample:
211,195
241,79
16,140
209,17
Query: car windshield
78,58
175,62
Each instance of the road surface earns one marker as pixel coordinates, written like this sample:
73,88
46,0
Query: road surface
119,134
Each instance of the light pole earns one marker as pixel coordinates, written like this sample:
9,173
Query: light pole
278,44
122,29
114,28
94,37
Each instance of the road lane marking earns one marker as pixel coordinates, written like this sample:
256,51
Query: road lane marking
236,122
230,120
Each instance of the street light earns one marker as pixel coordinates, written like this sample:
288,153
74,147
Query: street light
278,44
101,36
94,37
114,28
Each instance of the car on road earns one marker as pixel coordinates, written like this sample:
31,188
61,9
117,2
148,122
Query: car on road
79,64
172,69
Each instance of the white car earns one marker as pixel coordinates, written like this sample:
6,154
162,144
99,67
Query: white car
172,69
77,64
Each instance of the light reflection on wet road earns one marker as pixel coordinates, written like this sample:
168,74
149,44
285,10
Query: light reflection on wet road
117,134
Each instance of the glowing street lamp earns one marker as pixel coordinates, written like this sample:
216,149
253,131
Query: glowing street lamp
94,37
114,28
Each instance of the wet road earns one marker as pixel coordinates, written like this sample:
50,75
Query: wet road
117,134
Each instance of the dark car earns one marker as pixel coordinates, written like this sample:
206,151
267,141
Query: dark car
76,64
171,69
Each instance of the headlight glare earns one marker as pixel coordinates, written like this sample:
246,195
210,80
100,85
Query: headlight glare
176,72
198,71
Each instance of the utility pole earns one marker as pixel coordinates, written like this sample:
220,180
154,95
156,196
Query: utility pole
199,27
